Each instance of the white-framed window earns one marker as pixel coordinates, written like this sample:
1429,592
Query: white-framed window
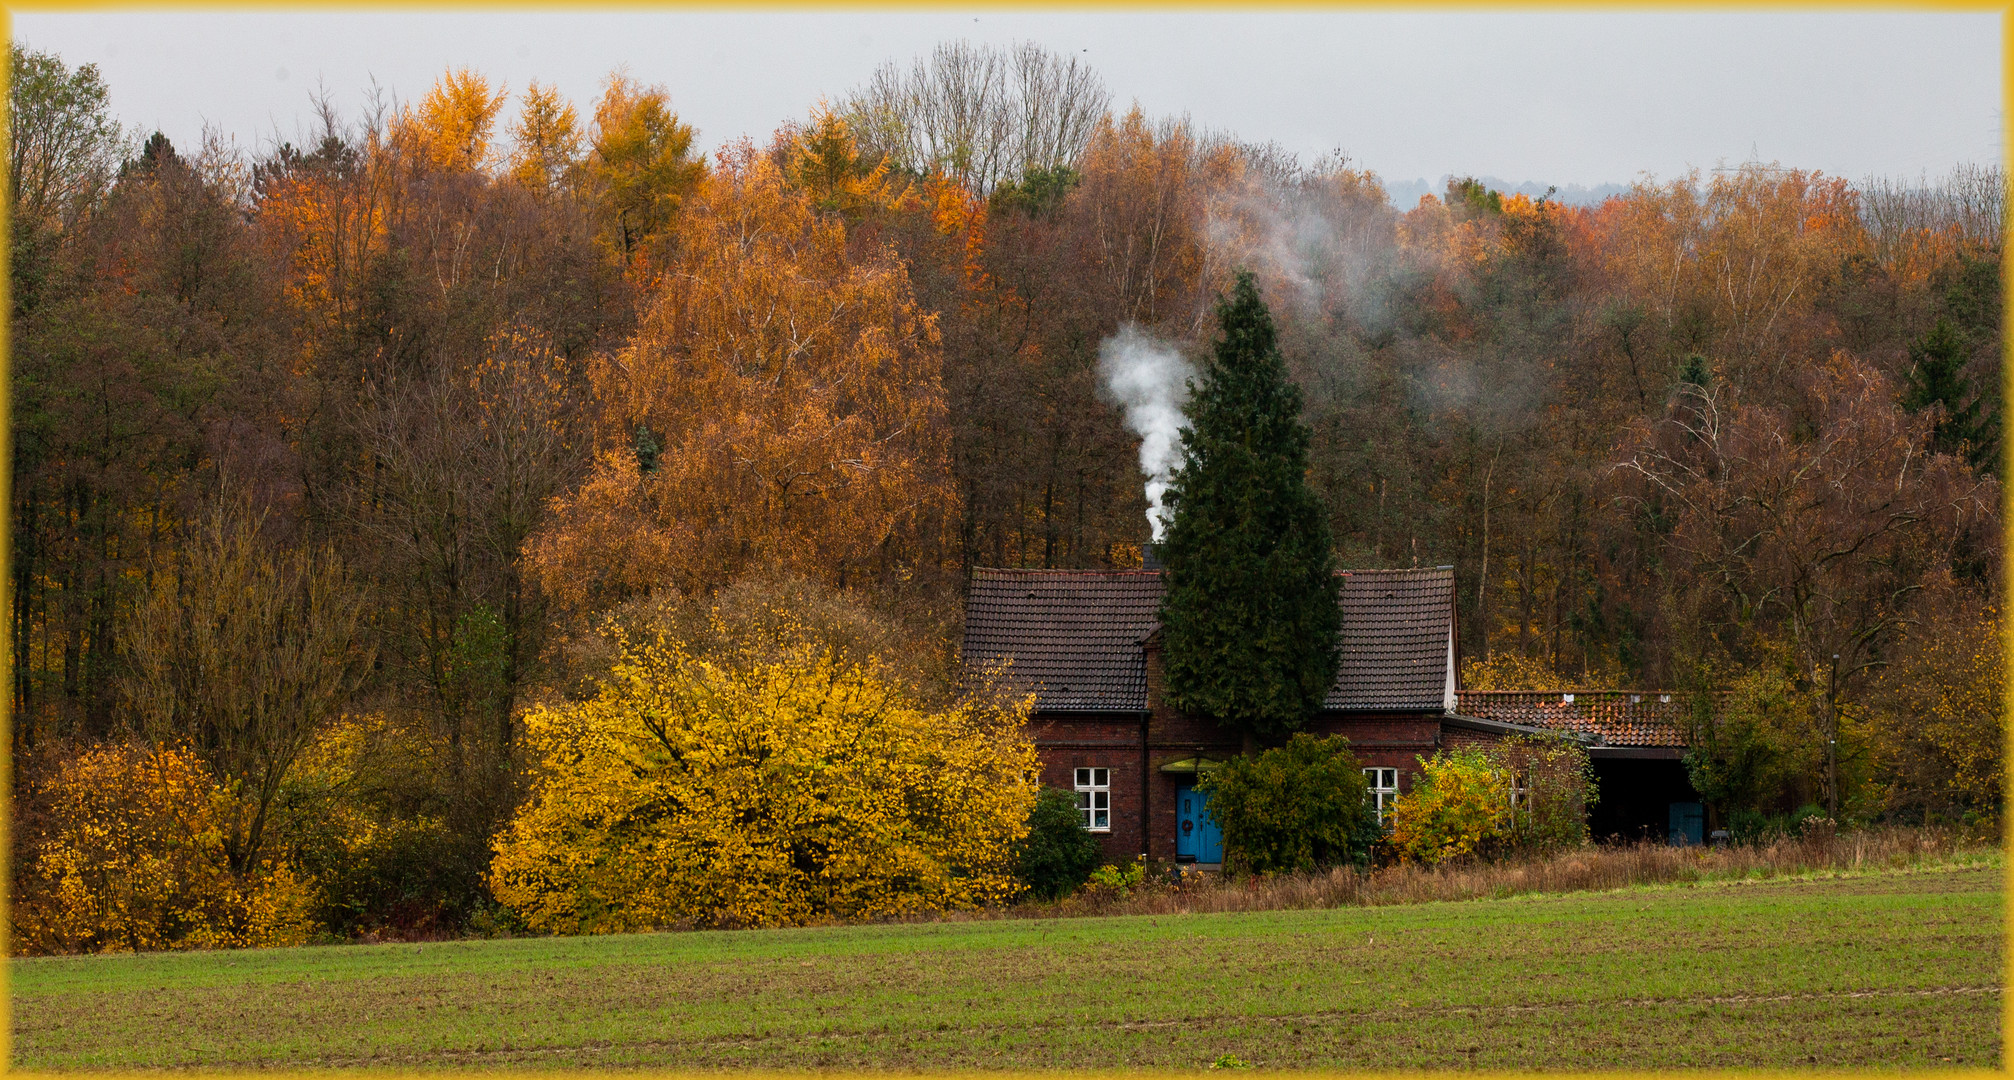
1094,798
1520,789
1382,786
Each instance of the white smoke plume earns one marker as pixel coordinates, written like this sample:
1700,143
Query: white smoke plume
1148,378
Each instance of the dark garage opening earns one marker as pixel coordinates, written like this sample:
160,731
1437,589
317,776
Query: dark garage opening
1636,794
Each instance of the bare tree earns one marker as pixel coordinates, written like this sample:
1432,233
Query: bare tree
465,463
243,652
982,114
1971,201
1814,540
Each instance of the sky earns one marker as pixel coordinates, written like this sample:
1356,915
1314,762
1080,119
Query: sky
1559,97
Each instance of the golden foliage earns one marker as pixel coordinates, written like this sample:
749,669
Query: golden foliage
1459,807
1508,669
327,218
1485,801
773,784
131,855
641,166
1936,726
548,140
781,406
1146,186
1743,257
450,131
826,162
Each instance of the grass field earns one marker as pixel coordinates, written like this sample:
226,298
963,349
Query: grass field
1892,969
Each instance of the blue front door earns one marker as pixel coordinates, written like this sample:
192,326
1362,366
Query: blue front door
1197,838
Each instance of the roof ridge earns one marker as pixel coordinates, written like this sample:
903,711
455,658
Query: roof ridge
1565,690
1059,571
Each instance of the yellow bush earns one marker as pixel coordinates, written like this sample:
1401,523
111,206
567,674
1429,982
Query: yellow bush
777,784
1521,794
128,853
1936,725
1459,806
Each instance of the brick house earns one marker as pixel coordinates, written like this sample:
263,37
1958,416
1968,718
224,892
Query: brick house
1087,644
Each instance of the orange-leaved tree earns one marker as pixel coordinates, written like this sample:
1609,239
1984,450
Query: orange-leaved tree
450,130
547,139
779,407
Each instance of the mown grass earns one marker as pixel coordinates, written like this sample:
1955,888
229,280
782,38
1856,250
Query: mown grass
1882,969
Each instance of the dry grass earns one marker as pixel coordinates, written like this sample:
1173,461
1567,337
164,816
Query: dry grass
1592,869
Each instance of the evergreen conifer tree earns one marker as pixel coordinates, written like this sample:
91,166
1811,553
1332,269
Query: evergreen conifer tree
1249,617
1936,377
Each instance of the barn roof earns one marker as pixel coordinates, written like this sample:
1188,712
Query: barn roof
1078,637
1615,717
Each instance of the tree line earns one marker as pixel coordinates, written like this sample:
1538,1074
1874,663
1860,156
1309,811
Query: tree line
332,461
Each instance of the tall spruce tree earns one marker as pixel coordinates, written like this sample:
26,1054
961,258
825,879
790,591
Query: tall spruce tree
1937,377
1249,617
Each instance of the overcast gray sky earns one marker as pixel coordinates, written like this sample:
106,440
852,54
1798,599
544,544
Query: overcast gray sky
1565,97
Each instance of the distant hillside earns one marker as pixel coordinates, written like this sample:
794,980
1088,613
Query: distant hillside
1405,194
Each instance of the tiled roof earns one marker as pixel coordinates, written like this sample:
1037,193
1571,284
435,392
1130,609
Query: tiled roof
1077,637
1073,636
1618,717
1396,637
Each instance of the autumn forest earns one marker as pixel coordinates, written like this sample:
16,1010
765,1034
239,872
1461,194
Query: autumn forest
335,465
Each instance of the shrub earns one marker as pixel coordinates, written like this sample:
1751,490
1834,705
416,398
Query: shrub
1120,881
1057,855
130,854
371,810
1459,807
773,783
1296,807
1556,789
1518,795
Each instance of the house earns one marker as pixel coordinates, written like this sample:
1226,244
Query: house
1087,644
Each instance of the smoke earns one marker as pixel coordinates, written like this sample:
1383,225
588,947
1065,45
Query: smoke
1148,378
1321,235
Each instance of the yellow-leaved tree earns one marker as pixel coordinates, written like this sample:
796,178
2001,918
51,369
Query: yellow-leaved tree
772,779
640,165
547,139
781,407
127,852
1936,724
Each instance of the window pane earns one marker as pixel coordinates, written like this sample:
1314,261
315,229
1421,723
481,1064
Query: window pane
1102,820
1083,778
1100,777
1083,800
1101,799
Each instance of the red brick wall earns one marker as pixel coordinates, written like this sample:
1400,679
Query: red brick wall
1144,820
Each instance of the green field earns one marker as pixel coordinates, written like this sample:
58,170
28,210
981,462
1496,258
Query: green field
1900,969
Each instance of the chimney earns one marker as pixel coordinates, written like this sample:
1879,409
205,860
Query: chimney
1150,556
